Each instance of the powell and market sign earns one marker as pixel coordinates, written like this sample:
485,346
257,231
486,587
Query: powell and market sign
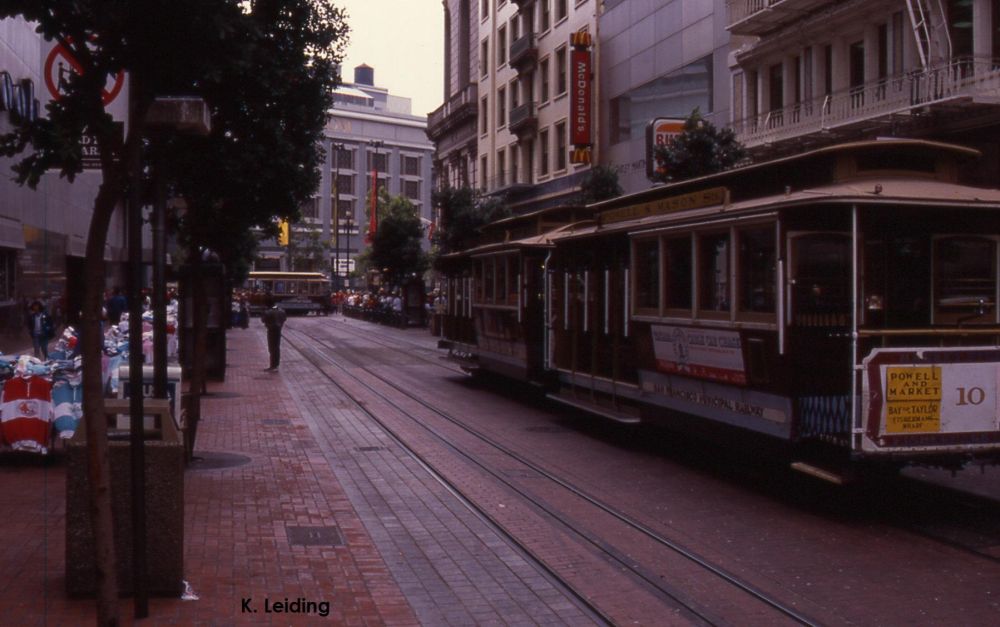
17,98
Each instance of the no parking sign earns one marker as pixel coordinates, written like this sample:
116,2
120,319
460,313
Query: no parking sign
60,64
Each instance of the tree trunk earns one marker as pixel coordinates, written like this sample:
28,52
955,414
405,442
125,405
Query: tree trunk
91,350
92,345
199,331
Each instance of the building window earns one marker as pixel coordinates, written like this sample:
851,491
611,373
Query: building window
561,71
515,30
827,70
561,9
409,166
486,10
561,146
310,209
484,58
514,94
484,116
483,169
8,274
343,159
514,155
543,153
856,53
676,94
543,15
345,184
776,89
757,263
501,46
960,27
501,166
346,218
378,161
501,107
411,189
543,77
713,268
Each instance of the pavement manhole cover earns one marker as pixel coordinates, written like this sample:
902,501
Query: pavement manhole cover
210,460
314,536
545,429
276,422
369,449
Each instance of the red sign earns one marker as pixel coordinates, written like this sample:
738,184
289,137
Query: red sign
58,66
581,92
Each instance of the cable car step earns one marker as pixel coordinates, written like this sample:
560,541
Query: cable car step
820,473
621,416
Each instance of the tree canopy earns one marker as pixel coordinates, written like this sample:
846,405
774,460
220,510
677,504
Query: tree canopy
396,247
463,214
699,149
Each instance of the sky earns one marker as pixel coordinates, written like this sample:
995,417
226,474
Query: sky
404,41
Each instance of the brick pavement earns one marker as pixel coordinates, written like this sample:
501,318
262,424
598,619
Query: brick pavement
408,551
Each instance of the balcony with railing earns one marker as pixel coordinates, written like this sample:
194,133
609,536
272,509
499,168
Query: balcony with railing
459,110
523,52
523,120
755,17
960,83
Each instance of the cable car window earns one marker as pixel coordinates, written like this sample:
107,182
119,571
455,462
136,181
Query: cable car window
678,273
512,286
488,284
714,272
647,274
279,287
821,294
502,280
965,280
757,270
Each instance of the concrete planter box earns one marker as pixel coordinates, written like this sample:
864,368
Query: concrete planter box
164,508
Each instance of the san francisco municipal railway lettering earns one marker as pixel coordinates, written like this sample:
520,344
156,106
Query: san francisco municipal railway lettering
913,399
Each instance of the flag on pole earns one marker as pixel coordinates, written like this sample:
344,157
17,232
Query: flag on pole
373,216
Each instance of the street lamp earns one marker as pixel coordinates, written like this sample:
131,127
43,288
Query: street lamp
348,218
337,147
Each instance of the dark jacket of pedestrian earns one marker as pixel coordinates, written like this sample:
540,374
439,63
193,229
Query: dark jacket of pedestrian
274,318
40,328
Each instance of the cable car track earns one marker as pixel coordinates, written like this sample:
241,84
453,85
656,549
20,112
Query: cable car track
936,534
610,553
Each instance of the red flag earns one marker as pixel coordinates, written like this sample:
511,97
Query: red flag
373,216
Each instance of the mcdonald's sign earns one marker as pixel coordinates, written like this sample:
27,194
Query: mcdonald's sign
580,156
580,62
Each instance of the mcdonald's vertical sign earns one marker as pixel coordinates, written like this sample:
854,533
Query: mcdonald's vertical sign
580,61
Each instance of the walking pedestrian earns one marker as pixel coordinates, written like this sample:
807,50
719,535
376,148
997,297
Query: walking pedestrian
273,318
40,328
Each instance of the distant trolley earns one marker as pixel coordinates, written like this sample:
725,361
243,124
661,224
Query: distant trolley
843,301
295,292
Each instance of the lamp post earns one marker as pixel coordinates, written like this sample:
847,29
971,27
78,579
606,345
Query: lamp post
337,147
349,219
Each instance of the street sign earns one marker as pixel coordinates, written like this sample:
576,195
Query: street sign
60,63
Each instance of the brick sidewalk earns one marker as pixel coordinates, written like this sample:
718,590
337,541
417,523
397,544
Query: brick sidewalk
239,522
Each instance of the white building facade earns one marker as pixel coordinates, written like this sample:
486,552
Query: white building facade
810,72
525,110
369,131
